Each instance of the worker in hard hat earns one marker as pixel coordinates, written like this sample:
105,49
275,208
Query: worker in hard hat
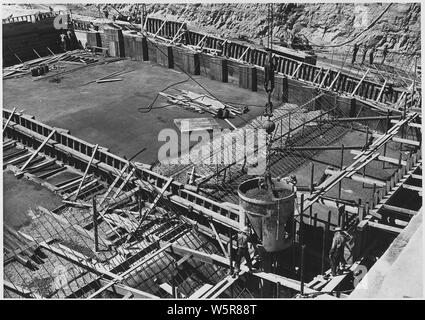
244,237
336,254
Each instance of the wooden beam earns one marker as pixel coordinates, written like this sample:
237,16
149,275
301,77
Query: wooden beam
243,54
382,90
384,227
324,78
8,119
156,200
317,75
201,291
383,158
410,187
111,187
209,258
117,192
36,152
20,291
86,171
334,81
407,141
160,28
202,39
359,178
411,124
223,249
121,290
399,210
360,82
298,68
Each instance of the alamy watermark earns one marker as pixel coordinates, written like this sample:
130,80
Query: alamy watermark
246,147
61,22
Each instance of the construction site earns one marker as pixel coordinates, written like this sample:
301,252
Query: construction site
326,204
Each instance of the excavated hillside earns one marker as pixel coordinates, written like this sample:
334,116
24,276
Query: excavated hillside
322,24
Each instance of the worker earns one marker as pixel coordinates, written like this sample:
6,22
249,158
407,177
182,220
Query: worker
62,37
384,53
364,54
371,55
244,237
355,50
336,254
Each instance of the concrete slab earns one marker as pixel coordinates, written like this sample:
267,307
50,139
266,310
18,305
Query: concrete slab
108,114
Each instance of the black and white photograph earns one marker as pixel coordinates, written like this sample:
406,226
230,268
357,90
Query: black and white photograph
239,151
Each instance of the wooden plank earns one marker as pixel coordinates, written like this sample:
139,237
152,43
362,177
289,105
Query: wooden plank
360,82
298,68
381,91
334,81
202,290
111,187
8,119
410,187
384,227
20,290
410,124
399,210
223,249
37,151
117,192
359,178
383,158
407,141
209,258
86,171
156,200
123,290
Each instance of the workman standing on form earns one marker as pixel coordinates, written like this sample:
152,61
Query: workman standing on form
336,254
244,237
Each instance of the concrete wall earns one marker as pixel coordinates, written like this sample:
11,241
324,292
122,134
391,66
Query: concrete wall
238,73
20,38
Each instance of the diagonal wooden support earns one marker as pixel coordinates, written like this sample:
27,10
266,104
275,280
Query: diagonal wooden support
243,54
177,33
334,80
324,78
111,187
203,38
219,240
36,152
317,75
156,200
87,170
382,91
8,119
160,28
360,82
297,69
123,184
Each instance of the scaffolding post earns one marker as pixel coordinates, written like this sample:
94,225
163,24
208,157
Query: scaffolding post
230,249
302,269
341,166
312,178
95,230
